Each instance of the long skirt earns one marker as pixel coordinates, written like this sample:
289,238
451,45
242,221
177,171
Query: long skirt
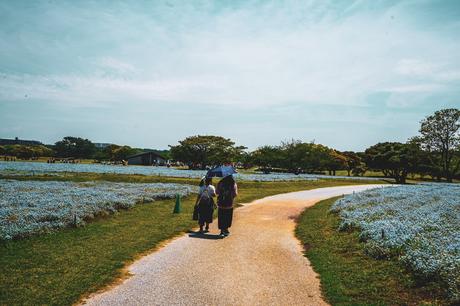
205,212
225,218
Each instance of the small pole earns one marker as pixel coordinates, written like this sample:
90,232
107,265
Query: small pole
383,233
177,206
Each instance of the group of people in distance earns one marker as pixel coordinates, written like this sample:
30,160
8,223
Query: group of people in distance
226,192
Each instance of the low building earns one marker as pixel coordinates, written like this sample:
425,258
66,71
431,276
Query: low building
17,141
147,159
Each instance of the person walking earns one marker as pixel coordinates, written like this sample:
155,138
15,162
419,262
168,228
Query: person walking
226,191
205,203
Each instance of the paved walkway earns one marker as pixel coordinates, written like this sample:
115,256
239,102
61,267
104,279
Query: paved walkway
260,263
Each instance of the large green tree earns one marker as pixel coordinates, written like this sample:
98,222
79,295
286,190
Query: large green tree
292,155
440,136
335,161
394,159
74,147
296,155
123,152
199,152
266,157
427,163
115,152
353,162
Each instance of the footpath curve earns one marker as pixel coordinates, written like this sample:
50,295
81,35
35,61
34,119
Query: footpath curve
260,263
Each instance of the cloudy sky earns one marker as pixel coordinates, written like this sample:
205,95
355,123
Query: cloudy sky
148,73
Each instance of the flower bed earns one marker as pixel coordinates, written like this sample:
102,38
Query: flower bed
31,207
418,224
37,168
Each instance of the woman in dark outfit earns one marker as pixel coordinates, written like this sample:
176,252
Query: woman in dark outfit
226,191
205,203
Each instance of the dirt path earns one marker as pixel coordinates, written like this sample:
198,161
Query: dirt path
260,263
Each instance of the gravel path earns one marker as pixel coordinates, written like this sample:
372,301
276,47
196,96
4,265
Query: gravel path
260,263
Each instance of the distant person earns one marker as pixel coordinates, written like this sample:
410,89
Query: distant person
205,203
226,191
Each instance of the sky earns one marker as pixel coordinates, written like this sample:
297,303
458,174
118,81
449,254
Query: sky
346,74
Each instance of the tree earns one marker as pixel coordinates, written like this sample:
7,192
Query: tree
292,154
394,159
74,147
317,158
335,161
202,151
266,157
440,135
308,157
426,162
245,160
296,155
352,163
123,152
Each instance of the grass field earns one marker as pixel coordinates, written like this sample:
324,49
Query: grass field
348,277
61,267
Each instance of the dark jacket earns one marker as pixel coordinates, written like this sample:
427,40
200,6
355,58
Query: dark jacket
225,195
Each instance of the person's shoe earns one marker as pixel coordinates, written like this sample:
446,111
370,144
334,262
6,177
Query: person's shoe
222,234
206,229
226,233
201,230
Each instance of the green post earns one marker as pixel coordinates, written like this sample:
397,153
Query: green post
177,206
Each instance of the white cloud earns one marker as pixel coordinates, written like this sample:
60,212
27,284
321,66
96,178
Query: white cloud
364,57
239,57
415,67
116,65
249,56
417,88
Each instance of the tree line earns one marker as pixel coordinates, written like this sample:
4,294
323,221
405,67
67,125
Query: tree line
435,152
73,147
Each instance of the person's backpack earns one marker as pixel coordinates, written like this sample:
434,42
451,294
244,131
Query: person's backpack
205,195
225,195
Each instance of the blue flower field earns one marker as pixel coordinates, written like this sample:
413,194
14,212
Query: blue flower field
418,224
32,207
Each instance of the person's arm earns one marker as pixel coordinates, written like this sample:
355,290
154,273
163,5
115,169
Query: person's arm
235,190
212,190
198,197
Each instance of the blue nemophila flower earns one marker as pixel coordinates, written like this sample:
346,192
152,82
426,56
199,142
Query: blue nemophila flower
420,224
30,207
36,168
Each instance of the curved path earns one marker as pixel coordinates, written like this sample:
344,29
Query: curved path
260,263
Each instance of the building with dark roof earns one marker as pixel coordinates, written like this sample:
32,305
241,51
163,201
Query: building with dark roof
17,141
147,159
